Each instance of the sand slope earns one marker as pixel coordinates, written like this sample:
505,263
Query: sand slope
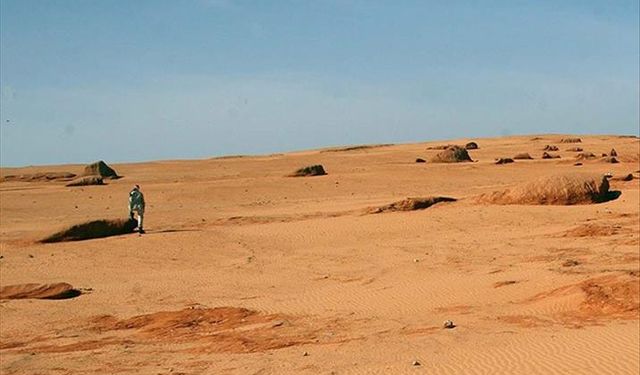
244,270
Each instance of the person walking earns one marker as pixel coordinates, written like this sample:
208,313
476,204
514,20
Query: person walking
136,204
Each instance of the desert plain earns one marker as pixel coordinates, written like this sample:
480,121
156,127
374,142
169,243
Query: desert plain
246,270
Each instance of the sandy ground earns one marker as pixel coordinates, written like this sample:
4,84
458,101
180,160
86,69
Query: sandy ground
246,271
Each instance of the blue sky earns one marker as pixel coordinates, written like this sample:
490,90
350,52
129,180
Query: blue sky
83,80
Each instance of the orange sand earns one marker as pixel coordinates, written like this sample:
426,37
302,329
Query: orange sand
246,271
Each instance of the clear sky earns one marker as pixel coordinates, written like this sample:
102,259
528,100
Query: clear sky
124,80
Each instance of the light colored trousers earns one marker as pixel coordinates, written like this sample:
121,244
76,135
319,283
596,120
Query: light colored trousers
140,217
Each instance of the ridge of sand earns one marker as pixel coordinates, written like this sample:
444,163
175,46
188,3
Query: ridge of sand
38,291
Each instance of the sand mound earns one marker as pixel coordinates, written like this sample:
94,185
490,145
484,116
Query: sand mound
585,156
39,291
410,204
591,230
203,330
93,229
556,190
222,329
570,140
356,148
36,177
504,161
312,170
550,148
441,147
598,299
86,181
603,297
163,323
522,156
611,297
454,154
100,168
575,149
471,146
546,155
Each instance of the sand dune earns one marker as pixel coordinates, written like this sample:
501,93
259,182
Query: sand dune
38,291
410,204
37,177
566,189
245,270
92,229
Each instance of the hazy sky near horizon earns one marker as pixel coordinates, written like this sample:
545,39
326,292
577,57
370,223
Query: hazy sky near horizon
119,80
